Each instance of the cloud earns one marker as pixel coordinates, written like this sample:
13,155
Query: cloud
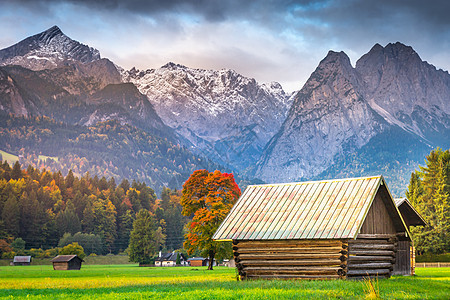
269,40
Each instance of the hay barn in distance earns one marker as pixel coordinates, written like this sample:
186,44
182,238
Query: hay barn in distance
346,228
67,262
22,260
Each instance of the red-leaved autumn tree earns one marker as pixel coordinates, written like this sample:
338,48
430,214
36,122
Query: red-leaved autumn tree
208,197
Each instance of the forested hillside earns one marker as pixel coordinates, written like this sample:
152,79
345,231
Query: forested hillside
45,209
107,149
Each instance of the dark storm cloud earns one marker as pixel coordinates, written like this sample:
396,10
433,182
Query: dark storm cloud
269,36
354,11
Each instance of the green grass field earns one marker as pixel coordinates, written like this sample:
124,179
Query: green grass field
133,282
10,158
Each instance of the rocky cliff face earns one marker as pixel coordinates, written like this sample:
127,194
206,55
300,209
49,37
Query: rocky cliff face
405,90
10,99
221,114
341,109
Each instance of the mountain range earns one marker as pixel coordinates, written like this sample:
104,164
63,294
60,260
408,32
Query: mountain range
380,117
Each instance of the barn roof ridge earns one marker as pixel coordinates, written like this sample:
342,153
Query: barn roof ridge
316,181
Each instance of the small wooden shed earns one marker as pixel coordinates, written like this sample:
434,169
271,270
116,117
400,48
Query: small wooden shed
405,264
346,228
22,260
198,261
67,262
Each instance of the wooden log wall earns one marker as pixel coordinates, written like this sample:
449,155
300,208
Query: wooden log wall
288,259
371,255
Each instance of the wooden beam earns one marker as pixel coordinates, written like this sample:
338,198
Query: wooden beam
289,249
294,276
372,252
292,256
292,272
374,265
368,272
375,236
370,258
289,243
372,247
324,262
304,268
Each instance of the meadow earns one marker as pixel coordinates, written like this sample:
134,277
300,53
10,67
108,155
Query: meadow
133,282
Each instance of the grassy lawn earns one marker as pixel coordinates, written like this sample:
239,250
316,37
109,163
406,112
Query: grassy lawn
133,282
10,158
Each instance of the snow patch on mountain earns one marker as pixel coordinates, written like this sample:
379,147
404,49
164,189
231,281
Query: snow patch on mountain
47,50
213,107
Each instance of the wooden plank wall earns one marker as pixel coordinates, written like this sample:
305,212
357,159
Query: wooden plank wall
371,255
291,259
378,219
403,260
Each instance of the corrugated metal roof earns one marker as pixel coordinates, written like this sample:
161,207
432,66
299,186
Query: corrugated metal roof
22,259
64,258
331,209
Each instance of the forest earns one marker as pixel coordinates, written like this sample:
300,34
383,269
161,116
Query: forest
108,149
43,209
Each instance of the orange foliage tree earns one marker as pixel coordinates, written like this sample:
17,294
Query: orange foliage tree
208,197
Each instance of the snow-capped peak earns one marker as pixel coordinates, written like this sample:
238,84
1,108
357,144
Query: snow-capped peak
48,49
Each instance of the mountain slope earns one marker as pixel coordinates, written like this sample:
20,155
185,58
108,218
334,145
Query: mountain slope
46,50
328,116
343,115
107,149
222,114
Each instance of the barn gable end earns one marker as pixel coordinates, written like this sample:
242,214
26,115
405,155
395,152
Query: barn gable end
324,229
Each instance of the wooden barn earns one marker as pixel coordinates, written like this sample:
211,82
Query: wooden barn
67,262
406,261
347,228
22,260
198,261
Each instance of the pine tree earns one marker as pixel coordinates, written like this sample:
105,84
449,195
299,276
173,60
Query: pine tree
142,238
429,193
16,172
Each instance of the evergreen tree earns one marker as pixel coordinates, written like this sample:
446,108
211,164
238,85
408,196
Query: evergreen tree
142,238
429,193
11,216
16,172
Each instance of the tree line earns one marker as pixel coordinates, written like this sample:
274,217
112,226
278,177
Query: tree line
47,210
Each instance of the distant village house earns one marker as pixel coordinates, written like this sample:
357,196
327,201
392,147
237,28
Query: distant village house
170,260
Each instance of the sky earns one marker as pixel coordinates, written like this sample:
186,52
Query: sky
268,40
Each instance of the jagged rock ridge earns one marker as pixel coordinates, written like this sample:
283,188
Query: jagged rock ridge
222,114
